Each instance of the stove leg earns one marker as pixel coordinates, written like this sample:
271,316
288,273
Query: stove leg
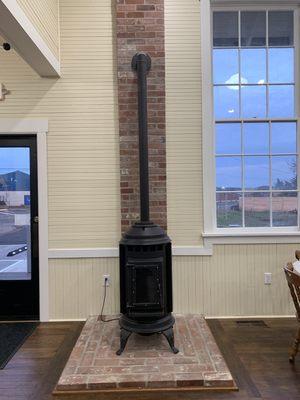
169,335
124,336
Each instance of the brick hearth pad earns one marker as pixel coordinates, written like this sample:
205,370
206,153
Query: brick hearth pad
147,362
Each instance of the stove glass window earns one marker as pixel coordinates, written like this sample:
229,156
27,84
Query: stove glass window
146,286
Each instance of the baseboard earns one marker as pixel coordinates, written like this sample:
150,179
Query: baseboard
249,316
67,319
206,317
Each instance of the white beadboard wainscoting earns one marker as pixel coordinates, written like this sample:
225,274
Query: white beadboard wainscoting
76,287
229,283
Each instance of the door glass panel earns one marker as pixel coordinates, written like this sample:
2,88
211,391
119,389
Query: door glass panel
15,216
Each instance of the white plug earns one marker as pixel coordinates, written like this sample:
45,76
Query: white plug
106,280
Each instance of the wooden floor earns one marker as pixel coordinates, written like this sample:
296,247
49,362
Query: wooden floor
256,355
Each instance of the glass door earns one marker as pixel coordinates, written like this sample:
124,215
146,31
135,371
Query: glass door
19,280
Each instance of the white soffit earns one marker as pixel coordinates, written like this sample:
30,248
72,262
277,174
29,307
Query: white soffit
25,39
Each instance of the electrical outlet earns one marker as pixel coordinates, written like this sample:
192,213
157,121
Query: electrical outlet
268,278
2,91
106,280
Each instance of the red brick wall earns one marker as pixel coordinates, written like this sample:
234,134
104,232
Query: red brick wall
140,27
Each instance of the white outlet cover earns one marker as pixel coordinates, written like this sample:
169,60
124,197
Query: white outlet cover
268,278
106,276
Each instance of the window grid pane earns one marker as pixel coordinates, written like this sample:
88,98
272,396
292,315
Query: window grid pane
268,201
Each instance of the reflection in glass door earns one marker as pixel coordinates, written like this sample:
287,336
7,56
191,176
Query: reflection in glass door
15,232
19,280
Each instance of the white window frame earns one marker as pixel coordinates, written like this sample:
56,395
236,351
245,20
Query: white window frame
278,234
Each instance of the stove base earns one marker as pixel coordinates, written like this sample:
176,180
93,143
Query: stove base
162,326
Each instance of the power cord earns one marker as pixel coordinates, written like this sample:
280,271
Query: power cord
103,304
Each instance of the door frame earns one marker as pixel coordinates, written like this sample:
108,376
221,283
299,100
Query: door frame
38,128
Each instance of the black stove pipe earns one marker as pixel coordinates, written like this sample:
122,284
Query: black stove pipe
141,63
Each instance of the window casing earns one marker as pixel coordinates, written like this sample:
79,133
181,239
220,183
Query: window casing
255,76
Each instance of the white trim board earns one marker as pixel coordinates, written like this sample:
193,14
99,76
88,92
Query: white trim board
207,117
241,317
18,30
38,127
250,3
113,252
234,317
67,319
210,239
206,250
15,125
232,240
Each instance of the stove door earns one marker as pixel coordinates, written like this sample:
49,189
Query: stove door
145,288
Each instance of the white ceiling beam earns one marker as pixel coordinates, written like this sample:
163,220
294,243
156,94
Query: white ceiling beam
18,30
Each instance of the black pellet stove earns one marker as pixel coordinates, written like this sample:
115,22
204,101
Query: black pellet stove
145,249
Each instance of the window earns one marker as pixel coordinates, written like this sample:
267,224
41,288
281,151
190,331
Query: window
255,118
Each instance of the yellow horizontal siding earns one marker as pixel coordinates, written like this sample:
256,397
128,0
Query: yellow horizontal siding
44,15
183,121
83,152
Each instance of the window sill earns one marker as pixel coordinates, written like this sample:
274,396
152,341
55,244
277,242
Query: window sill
252,237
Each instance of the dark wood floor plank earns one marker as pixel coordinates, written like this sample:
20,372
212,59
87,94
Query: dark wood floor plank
257,357
57,363
33,371
235,364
